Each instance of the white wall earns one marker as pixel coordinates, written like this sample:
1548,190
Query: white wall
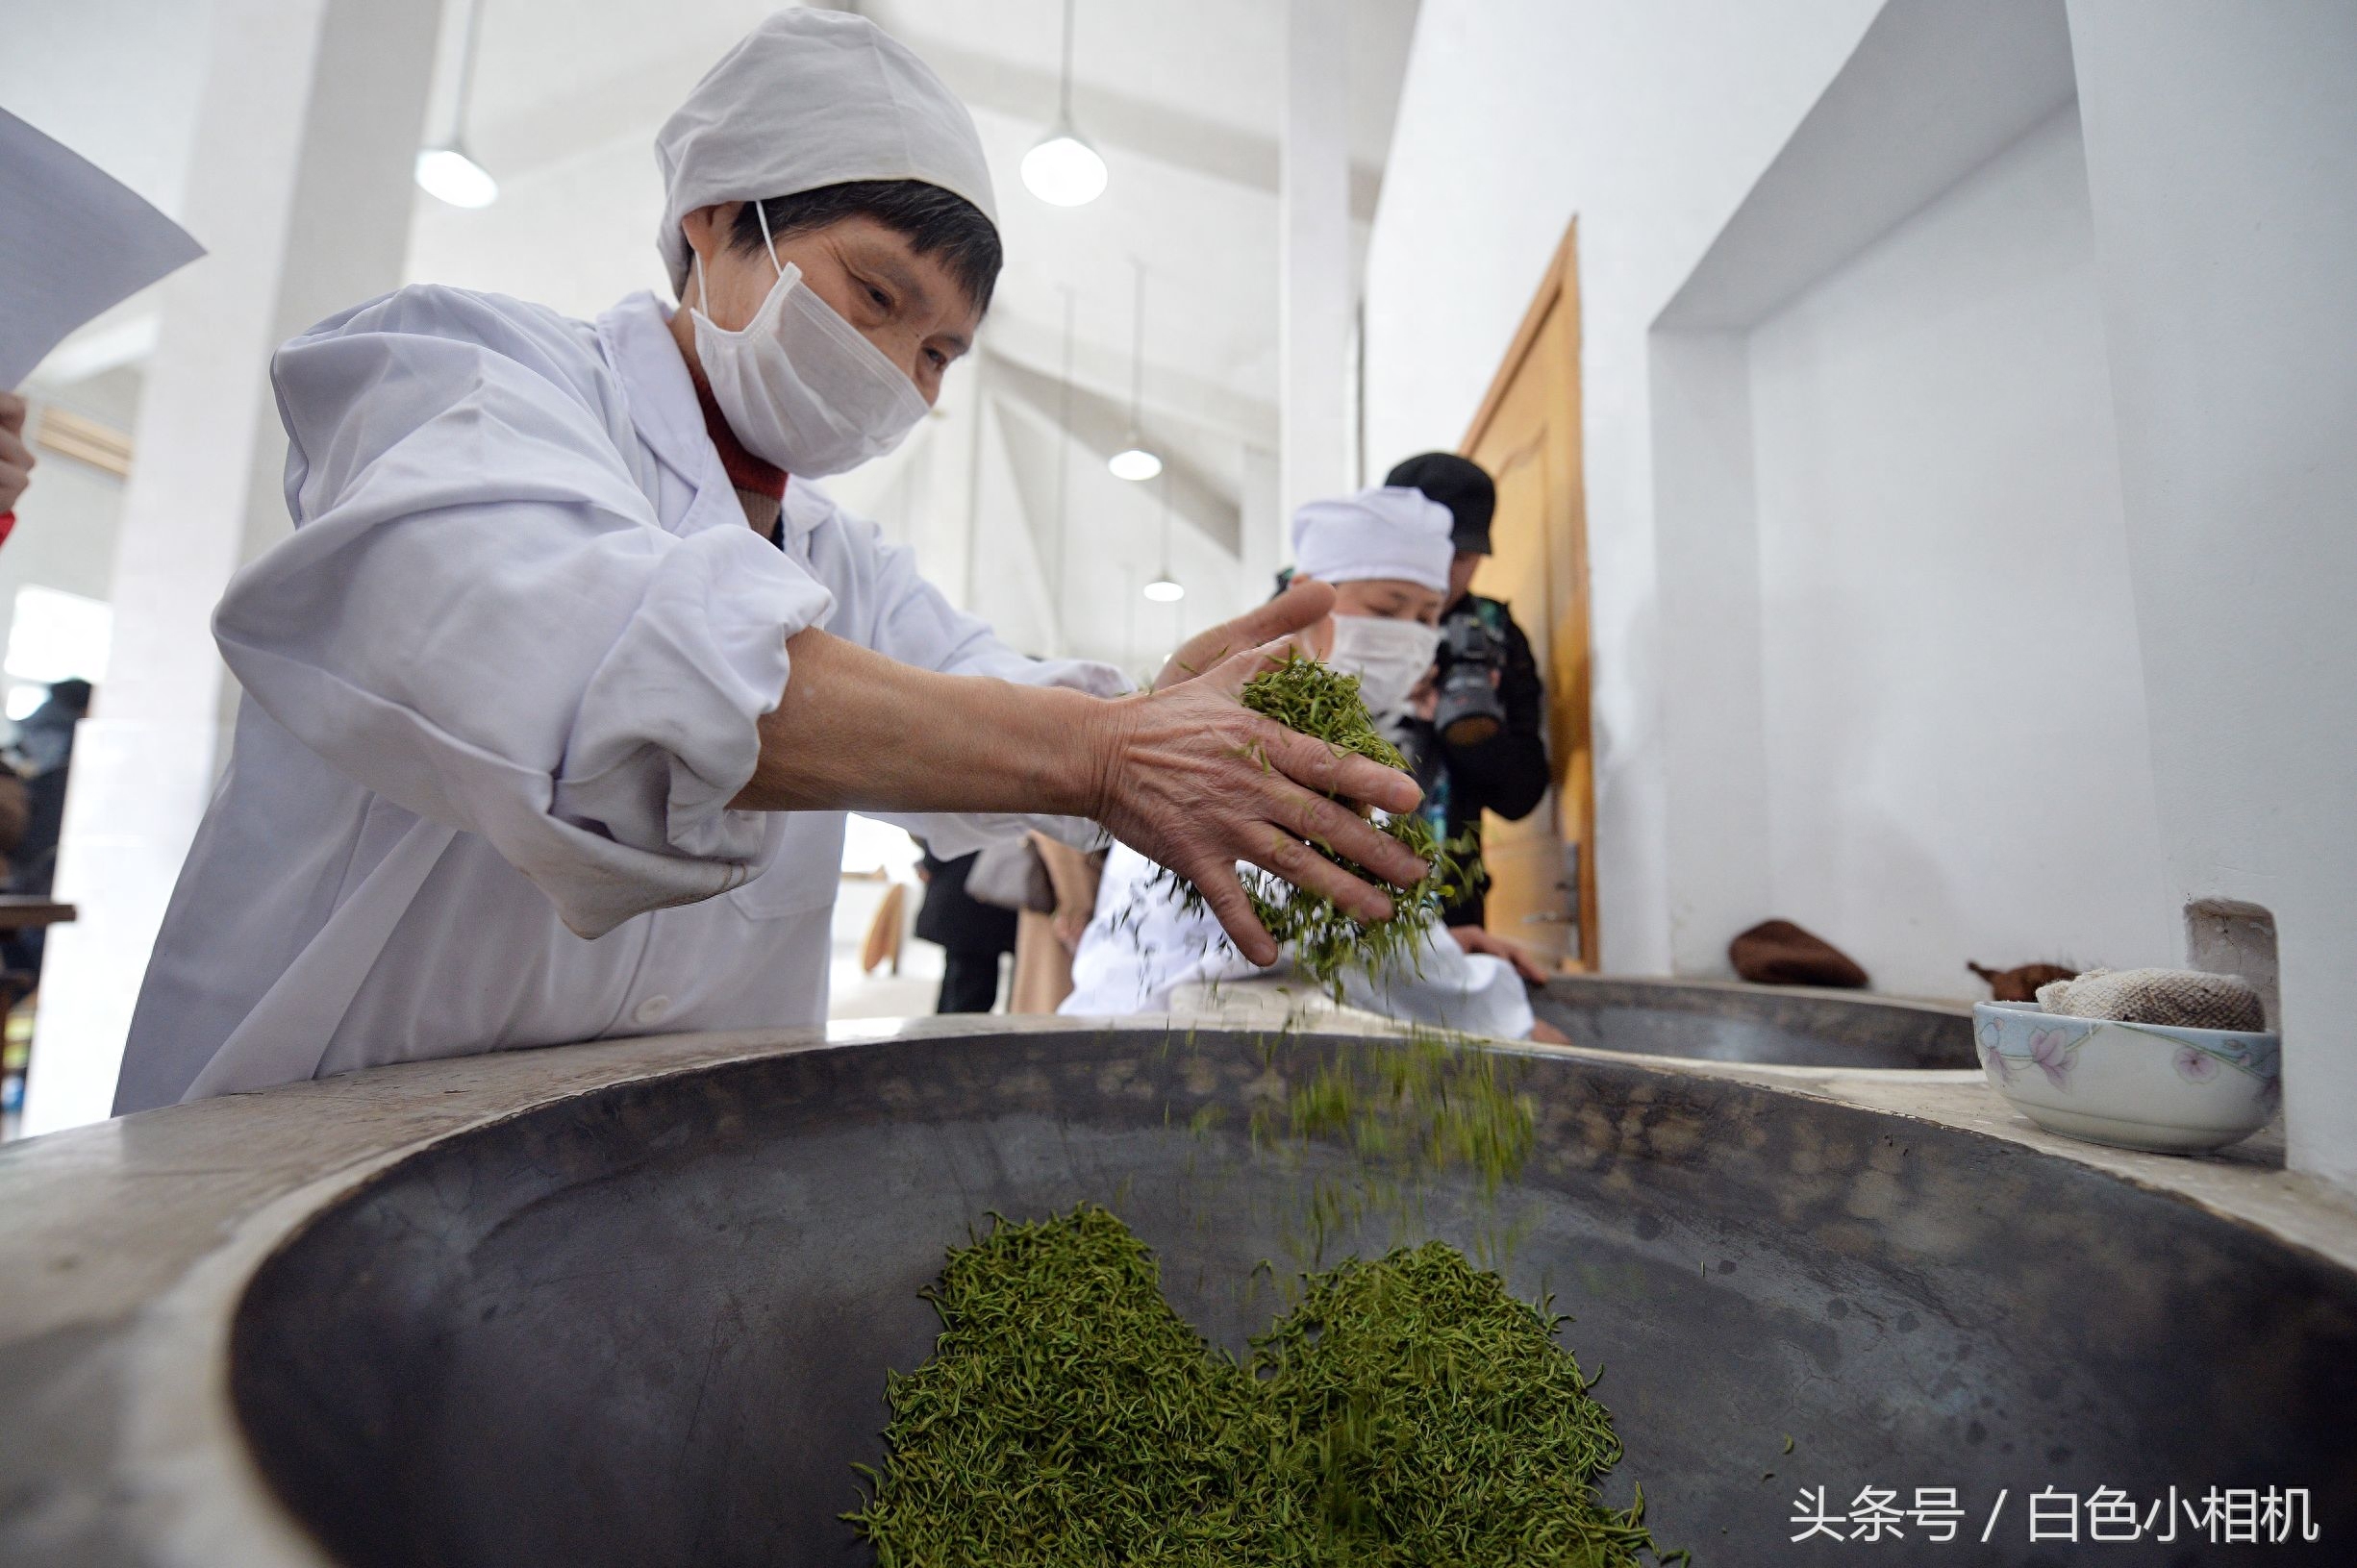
1710,690
2221,164
117,81
1777,707
299,184
113,79
2222,157
1955,746
68,520
1650,123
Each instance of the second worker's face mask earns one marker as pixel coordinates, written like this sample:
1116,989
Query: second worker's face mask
799,384
1388,656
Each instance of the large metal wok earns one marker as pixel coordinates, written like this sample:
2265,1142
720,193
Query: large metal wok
648,1323
1720,1021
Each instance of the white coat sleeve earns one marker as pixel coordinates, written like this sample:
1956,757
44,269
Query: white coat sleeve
1141,943
1444,985
480,618
912,622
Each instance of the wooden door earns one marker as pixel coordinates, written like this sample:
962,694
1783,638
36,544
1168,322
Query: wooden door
1527,435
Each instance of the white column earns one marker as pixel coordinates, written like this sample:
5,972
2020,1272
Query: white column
1262,541
949,511
1317,292
2221,165
1713,724
299,185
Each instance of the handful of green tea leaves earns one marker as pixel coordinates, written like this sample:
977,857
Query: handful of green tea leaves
1407,1411
1321,939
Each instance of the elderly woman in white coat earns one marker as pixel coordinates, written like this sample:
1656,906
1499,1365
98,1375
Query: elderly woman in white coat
555,696
1387,554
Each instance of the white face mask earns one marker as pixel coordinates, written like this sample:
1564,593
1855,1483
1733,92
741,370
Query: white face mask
799,385
1387,656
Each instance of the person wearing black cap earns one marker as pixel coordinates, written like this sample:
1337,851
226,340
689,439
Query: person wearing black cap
1483,714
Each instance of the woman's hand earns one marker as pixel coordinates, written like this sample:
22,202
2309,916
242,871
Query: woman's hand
1197,781
1475,939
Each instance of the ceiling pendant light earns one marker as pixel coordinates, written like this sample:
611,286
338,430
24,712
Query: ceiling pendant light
448,171
1166,590
1135,462
1063,170
451,174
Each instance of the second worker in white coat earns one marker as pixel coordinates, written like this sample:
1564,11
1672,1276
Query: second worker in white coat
1386,552
555,698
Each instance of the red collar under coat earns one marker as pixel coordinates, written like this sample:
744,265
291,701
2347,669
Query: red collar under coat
745,471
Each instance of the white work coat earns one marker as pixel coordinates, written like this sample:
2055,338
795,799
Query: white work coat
1143,943
500,685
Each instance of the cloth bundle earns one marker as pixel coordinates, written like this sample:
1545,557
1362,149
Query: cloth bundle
2021,982
1780,952
1009,874
2179,997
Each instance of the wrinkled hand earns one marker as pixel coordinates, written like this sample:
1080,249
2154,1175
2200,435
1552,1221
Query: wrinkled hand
1280,617
1476,939
15,457
1197,781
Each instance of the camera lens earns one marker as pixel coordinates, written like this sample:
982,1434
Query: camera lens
1467,710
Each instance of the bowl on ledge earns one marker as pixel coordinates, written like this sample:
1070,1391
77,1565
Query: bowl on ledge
2134,1086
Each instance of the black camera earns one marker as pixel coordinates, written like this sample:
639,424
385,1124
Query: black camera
1471,656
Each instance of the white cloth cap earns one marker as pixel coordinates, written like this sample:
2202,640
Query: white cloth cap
813,98
1388,531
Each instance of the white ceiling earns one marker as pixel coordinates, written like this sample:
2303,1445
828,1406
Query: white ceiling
1184,100
1183,97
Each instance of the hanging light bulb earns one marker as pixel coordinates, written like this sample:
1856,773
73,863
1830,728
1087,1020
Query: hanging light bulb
452,175
1136,462
448,171
1063,170
1165,590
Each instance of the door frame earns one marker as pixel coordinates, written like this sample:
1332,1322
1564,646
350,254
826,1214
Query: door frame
1550,329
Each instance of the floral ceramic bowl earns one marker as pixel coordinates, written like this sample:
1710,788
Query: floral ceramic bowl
2136,1086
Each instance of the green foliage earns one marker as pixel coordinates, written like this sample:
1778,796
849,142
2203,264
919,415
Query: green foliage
1404,1412
1322,940
1431,1418
1314,700
1407,1411
1067,1416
